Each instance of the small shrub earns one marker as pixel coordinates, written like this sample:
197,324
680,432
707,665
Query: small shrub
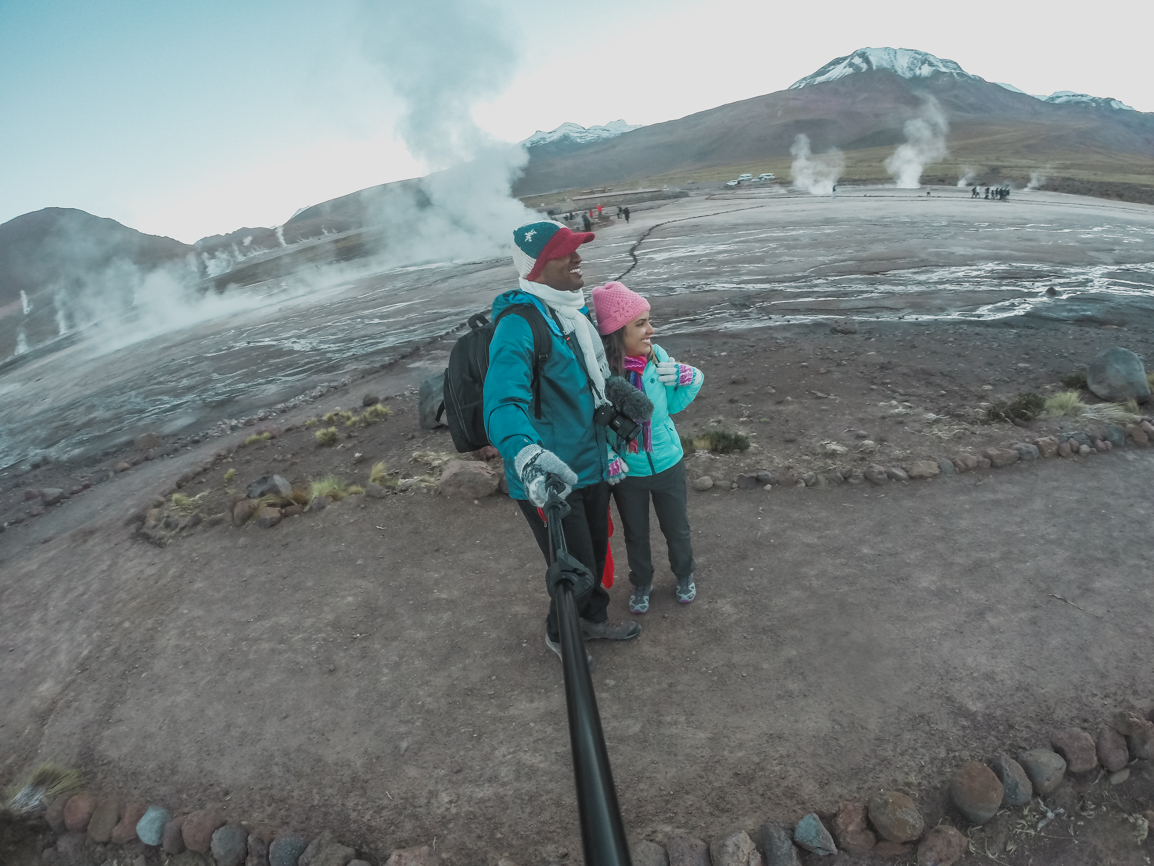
229,476
687,444
379,474
722,441
1077,379
354,489
331,417
1067,403
330,485
375,413
257,438
351,421
311,422
1150,380
1025,407
328,436
179,500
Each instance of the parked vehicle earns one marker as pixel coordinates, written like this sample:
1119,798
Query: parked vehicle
731,183
742,177
766,176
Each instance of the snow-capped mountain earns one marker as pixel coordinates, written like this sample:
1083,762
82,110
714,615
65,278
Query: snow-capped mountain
905,62
579,134
1068,97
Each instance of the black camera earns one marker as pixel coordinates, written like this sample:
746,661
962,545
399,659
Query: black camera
608,415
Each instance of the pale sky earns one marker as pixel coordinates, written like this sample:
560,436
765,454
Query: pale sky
198,118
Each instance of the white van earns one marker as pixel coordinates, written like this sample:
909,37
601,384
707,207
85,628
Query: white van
742,177
766,176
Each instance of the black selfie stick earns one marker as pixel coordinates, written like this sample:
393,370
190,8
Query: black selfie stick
602,830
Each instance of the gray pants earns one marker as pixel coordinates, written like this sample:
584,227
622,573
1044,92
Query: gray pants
668,492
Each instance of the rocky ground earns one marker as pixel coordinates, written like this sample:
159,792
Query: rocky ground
378,666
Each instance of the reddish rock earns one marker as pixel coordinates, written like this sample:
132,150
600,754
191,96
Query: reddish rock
468,479
1065,449
78,812
123,466
850,830
1077,747
243,511
686,851
1148,427
1140,436
895,816
146,441
731,849
125,831
983,463
943,846
268,517
1047,446
173,840
198,829
104,819
291,511
1111,749
1000,457
31,493
976,792
966,462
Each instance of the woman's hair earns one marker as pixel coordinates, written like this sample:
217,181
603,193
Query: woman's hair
615,351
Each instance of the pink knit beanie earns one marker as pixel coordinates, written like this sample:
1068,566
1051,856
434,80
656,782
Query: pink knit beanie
616,306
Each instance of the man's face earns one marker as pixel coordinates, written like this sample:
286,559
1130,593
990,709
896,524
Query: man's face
563,274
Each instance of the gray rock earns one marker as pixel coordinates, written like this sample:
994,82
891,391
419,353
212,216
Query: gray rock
947,467
811,835
942,846
1115,435
286,850
1017,789
734,849
895,817
430,397
811,479
150,827
1026,451
173,839
923,469
765,476
702,483
425,856
646,853
1000,457
326,851
1139,734
686,851
269,485
778,844
371,399
257,851
746,482
896,473
875,474
230,845
51,495
74,849
145,441
1117,375
1076,436
375,491
1044,767
468,479
106,816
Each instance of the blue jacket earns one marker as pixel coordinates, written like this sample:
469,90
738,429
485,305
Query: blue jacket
566,426
667,400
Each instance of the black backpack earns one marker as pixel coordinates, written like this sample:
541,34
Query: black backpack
464,387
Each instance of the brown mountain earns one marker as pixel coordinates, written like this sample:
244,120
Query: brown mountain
996,130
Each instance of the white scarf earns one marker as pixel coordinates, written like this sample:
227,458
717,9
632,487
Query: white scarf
567,306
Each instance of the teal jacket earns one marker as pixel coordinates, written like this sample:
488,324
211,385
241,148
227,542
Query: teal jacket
667,400
566,426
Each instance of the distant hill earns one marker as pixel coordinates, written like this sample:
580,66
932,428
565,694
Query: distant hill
860,103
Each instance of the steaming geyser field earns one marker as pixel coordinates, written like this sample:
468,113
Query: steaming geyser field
379,668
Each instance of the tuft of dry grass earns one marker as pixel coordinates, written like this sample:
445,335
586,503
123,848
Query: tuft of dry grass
328,436
330,485
354,490
1066,403
45,783
229,476
257,438
375,413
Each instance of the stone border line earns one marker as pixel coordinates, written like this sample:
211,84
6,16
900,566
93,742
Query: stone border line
88,828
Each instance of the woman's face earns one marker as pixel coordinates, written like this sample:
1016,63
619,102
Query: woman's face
638,334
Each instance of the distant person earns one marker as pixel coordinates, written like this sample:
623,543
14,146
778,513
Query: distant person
833,192
927,192
588,223
651,468
987,193
626,212
974,193
618,211
598,210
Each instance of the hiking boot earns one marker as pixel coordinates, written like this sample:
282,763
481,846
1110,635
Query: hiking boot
556,647
609,631
639,601
686,590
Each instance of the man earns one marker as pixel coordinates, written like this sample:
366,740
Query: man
563,442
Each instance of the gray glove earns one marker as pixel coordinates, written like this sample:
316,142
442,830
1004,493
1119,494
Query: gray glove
534,466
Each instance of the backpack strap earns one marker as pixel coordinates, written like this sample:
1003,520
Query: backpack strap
542,345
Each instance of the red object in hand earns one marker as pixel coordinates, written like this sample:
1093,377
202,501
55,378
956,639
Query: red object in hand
607,573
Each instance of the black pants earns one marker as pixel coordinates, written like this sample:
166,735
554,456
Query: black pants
586,530
668,492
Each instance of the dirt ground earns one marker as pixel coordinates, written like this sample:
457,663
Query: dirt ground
379,668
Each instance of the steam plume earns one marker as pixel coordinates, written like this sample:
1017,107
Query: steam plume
1038,178
25,304
925,143
815,174
969,175
443,57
